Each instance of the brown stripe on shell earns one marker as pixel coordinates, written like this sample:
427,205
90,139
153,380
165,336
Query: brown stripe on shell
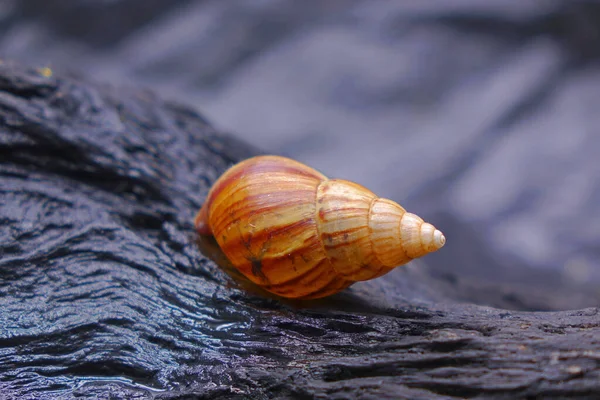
279,230
260,199
346,242
260,164
334,285
347,232
306,252
263,165
292,281
281,255
323,278
259,190
254,204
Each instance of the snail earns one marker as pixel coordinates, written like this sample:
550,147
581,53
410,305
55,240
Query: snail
297,234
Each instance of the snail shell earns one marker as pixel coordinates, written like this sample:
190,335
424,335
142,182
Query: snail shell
298,234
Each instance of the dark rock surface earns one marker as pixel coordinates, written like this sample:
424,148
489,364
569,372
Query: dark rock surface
104,292
479,115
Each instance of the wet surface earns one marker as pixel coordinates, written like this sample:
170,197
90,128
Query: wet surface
481,118
105,291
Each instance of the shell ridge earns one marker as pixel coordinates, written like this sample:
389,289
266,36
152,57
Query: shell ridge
327,287
318,221
371,235
319,231
401,241
309,271
425,250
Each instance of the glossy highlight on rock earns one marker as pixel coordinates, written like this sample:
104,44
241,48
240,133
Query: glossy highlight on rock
298,234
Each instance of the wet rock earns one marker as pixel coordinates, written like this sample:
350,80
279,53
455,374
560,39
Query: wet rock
478,115
104,292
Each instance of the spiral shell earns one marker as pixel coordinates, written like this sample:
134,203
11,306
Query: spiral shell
298,234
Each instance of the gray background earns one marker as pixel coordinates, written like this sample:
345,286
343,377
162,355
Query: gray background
480,116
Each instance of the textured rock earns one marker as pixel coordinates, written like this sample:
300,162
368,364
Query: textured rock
494,100
104,292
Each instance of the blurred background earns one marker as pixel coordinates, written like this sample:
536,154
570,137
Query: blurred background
482,116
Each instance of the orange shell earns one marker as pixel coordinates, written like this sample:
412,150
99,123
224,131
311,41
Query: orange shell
298,234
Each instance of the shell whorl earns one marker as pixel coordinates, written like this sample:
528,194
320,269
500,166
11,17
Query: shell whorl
366,236
399,236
